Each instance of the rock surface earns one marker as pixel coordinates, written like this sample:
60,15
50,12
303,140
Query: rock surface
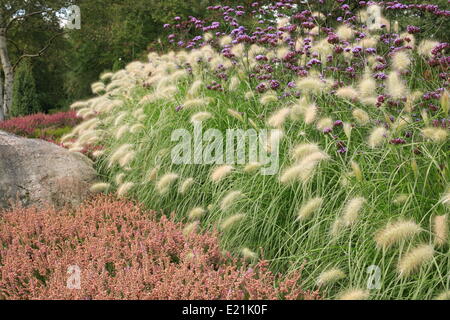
36,172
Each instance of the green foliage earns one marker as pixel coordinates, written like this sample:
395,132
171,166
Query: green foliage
116,32
112,34
431,25
398,181
270,208
25,97
29,36
51,133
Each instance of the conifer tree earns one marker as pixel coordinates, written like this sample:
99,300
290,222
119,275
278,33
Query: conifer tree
25,97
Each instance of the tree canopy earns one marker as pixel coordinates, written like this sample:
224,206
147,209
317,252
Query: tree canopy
113,33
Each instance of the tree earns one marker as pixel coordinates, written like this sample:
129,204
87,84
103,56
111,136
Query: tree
116,32
26,16
25,97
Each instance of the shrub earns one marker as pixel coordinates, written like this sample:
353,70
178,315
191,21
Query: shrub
124,252
25,97
52,133
48,127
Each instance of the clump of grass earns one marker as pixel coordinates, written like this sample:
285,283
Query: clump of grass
361,156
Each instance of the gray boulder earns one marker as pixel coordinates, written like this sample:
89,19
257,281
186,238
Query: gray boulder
36,172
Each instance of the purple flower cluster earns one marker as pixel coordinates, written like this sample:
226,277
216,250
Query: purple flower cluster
277,26
397,141
395,5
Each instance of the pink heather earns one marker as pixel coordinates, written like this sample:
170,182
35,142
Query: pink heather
27,125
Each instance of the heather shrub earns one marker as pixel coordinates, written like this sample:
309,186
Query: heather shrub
124,252
44,126
362,108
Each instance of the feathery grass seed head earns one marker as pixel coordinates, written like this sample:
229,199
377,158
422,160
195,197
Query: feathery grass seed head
201,116
351,210
186,185
396,232
248,254
330,276
196,213
401,61
347,93
190,228
377,137
221,172
440,229
361,116
356,169
230,199
124,189
307,210
100,187
414,259
435,134
163,185
304,149
354,294
229,222
279,117
445,295
395,86
252,167
400,199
